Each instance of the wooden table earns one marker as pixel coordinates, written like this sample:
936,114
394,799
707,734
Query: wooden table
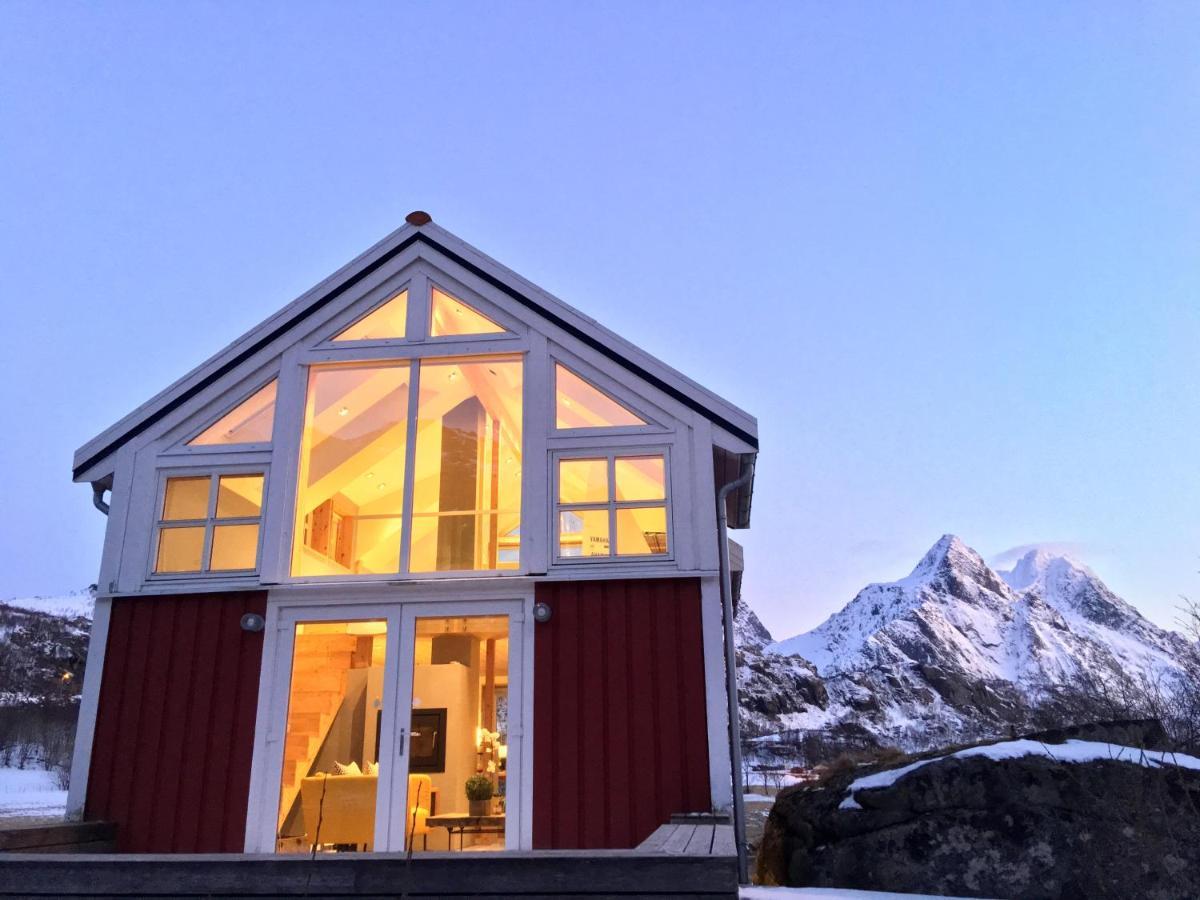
456,823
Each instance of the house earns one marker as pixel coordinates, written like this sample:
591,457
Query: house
425,525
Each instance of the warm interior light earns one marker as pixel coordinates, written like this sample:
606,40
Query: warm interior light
250,422
449,316
580,404
382,323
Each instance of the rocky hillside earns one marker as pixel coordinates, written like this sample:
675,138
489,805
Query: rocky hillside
1097,812
956,650
43,648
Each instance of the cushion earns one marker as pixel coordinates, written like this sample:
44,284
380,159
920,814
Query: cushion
350,768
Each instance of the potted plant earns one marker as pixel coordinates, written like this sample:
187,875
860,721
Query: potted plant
479,792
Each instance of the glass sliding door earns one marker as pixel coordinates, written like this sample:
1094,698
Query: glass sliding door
458,732
393,726
329,783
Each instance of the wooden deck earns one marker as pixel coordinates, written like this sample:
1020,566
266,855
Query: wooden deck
682,838
678,860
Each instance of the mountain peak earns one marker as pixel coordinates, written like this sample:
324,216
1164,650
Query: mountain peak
1039,565
948,552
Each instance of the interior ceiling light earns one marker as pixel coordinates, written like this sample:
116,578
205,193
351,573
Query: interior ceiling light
344,411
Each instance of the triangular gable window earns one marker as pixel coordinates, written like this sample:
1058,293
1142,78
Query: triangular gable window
580,404
250,422
449,316
382,323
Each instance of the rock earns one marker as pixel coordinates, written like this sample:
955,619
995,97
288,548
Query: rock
1026,827
771,685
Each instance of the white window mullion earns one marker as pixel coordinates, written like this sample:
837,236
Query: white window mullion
214,485
410,463
612,505
418,308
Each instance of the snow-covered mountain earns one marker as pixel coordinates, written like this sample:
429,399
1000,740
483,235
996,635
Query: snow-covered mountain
43,646
72,605
956,650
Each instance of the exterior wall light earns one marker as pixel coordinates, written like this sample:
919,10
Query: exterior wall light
542,613
253,622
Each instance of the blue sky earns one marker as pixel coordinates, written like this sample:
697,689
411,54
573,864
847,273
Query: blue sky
947,253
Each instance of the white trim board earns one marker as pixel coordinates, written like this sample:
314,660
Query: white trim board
562,322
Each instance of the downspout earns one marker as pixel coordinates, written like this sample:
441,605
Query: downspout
731,686
98,501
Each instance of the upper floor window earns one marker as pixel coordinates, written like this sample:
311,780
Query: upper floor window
580,404
209,523
612,505
449,316
387,321
389,485
250,422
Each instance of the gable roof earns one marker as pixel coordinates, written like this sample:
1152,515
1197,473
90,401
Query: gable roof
419,230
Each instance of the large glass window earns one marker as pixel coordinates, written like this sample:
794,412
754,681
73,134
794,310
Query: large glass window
449,316
250,422
580,404
465,475
386,321
467,484
612,505
350,495
209,523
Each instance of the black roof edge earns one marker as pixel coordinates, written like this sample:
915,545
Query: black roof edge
281,329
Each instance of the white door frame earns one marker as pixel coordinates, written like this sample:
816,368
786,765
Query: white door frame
285,608
514,609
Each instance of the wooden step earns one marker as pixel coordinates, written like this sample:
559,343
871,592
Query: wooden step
307,643
319,680
323,662
309,722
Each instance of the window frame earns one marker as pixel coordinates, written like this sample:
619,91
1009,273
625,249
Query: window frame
412,354
610,454
603,382
465,295
209,523
183,449
406,287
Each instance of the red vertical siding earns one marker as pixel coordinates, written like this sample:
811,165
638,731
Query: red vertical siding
620,723
175,723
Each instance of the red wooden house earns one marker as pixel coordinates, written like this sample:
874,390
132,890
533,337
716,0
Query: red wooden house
426,525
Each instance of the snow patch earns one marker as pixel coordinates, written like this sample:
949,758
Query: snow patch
73,605
769,893
30,792
1071,752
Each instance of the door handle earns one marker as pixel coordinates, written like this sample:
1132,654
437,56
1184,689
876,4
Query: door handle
400,751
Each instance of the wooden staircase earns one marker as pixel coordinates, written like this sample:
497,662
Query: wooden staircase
319,674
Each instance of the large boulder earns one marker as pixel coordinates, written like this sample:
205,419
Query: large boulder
1010,820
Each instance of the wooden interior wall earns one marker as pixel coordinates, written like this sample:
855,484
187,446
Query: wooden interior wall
620,722
175,724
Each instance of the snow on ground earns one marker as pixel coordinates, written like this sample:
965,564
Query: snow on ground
1071,751
74,604
769,893
30,792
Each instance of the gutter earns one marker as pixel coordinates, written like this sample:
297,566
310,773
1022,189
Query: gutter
98,500
731,687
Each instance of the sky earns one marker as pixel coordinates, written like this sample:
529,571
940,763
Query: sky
946,253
